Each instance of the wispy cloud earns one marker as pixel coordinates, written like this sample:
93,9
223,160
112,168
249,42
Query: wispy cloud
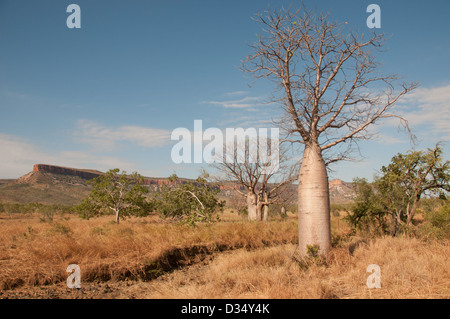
236,93
243,103
430,107
388,139
107,138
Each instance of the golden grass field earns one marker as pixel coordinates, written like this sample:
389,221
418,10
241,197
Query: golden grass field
150,258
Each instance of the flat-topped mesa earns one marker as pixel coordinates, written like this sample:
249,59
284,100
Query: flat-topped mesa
86,174
335,182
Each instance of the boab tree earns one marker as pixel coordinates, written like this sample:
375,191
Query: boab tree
331,92
261,167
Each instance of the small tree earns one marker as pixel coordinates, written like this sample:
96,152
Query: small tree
122,194
408,177
397,192
367,211
188,201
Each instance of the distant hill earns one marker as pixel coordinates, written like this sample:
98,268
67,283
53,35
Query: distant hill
50,184
341,192
45,188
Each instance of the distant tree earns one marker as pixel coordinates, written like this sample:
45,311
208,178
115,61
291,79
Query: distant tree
190,201
14,208
237,203
262,183
285,199
119,193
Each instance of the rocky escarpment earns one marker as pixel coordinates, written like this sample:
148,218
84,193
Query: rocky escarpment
40,170
83,173
340,191
58,184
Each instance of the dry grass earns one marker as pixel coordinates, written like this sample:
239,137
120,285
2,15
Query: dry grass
240,259
409,269
36,253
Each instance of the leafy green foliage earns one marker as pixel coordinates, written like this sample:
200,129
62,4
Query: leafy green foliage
118,193
407,178
396,193
312,258
437,222
367,212
189,202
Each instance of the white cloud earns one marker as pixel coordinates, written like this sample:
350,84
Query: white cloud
430,107
246,102
106,138
18,157
236,93
388,139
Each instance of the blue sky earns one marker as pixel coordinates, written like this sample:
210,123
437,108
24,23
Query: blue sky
109,94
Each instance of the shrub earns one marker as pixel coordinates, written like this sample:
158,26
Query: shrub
437,223
188,202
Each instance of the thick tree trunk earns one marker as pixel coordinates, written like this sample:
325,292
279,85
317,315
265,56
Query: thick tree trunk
313,202
265,213
252,206
259,211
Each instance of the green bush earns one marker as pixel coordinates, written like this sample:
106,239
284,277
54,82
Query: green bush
366,213
437,223
188,202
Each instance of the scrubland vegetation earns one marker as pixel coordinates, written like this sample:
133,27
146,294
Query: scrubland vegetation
183,242
232,258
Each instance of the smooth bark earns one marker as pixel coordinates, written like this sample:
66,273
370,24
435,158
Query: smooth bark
252,206
313,202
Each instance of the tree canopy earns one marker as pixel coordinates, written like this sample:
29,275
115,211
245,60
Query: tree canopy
118,193
396,193
188,201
